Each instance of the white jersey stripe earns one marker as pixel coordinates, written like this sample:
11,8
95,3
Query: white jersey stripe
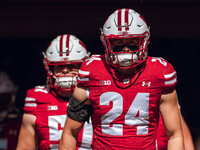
84,72
170,75
30,104
40,90
29,99
83,79
170,82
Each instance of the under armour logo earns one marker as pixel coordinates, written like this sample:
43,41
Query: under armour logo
146,83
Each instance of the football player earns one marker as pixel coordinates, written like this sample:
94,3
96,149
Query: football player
45,106
124,90
10,118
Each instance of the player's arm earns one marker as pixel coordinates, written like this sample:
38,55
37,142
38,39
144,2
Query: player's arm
188,141
28,139
75,121
172,121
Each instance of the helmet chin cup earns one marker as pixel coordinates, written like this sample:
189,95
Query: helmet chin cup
65,82
124,59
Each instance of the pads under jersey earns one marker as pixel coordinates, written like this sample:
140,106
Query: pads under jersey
125,109
50,112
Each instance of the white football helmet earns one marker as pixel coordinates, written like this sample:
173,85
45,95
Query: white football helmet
125,23
7,95
64,49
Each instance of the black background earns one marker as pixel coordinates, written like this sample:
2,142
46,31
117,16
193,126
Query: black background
27,27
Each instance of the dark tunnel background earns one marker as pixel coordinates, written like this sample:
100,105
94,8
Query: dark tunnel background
26,29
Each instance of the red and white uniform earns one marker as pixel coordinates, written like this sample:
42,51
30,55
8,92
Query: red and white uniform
9,132
125,109
50,112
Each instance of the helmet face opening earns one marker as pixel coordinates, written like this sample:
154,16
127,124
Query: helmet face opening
122,44
127,51
125,36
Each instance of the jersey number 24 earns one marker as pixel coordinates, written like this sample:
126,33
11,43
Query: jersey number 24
140,103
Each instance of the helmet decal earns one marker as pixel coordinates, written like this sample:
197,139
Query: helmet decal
123,14
64,50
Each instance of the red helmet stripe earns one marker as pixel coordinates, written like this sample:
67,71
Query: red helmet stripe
126,19
61,45
142,19
119,19
81,43
67,45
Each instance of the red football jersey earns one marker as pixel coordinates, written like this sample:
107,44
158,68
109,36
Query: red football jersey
125,109
9,132
50,112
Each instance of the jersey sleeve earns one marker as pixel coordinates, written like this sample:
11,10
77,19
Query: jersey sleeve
87,76
170,78
167,75
30,105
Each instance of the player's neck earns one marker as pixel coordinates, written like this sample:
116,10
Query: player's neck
126,72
